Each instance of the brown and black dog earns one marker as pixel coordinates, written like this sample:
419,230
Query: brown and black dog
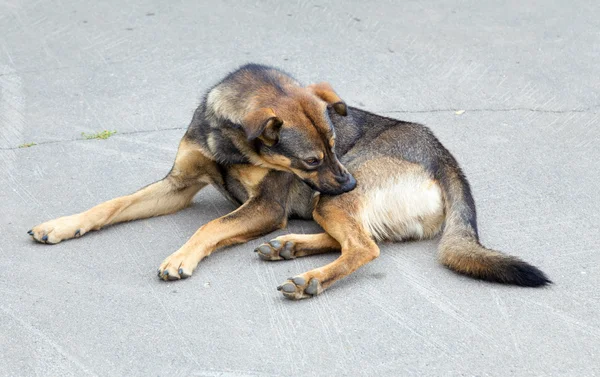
281,150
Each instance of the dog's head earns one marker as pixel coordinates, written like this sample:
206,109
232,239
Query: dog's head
294,133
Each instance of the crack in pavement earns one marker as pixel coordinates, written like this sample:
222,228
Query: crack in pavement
84,139
583,110
491,110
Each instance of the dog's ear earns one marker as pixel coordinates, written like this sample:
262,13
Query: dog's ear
262,124
325,92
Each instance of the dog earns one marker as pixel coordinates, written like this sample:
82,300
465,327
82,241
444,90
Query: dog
280,150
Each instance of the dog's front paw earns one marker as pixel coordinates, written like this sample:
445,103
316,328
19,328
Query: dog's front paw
276,250
178,265
56,230
300,287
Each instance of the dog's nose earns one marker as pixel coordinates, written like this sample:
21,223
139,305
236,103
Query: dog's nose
341,179
350,183
346,182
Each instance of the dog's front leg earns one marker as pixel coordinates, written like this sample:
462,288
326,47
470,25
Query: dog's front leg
191,171
258,216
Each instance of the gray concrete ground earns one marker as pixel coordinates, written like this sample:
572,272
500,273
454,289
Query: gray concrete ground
526,74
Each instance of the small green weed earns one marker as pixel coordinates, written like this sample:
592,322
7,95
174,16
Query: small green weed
99,135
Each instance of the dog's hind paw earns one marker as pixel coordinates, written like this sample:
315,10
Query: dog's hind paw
299,287
276,250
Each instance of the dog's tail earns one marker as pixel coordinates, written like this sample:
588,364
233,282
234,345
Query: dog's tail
460,249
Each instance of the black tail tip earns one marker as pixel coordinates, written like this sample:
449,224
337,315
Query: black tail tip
523,274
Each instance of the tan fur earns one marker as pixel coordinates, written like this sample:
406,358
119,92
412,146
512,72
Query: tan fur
310,244
304,174
282,162
324,91
253,219
189,174
465,255
339,217
299,245
250,176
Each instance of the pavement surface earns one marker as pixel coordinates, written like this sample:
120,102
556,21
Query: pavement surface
526,75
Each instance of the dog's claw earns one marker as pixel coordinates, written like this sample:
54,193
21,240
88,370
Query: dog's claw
30,232
166,276
182,274
45,238
78,233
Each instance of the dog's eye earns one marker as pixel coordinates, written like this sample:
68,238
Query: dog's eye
313,161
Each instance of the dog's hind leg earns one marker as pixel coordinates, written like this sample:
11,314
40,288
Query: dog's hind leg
191,172
340,218
400,202
291,246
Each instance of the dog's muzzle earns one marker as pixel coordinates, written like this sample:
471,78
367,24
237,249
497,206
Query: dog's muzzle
344,183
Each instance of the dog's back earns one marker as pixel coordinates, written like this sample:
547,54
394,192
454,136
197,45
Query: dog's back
413,186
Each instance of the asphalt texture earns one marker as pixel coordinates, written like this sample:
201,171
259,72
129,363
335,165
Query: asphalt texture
511,88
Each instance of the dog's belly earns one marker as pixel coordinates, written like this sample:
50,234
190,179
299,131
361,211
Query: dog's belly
399,200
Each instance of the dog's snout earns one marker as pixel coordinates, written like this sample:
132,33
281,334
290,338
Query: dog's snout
349,184
342,178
